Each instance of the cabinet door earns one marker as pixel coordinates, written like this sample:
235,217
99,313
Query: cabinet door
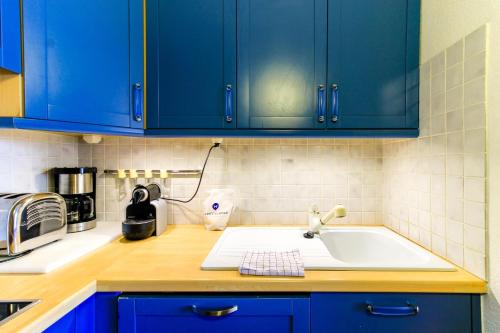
373,64
191,64
281,63
79,320
84,61
206,314
10,35
395,313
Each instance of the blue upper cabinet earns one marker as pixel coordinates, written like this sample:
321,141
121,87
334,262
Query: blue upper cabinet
303,67
191,64
84,62
10,35
215,67
282,64
373,64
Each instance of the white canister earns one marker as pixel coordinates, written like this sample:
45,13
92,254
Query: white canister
217,208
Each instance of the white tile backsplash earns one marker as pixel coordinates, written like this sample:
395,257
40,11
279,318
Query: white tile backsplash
275,180
28,156
455,224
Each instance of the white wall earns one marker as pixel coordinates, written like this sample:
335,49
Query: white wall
491,301
444,21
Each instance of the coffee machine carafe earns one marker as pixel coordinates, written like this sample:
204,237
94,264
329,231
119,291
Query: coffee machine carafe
78,188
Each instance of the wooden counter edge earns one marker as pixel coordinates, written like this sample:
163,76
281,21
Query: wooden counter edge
479,287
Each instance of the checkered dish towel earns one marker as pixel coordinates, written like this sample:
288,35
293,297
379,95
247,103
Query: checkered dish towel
272,263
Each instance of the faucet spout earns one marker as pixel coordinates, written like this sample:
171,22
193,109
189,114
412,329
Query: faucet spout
338,211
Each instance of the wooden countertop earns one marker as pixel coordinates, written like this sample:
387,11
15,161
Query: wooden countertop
171,263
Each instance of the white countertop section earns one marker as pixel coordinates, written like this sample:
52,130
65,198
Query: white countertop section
60,253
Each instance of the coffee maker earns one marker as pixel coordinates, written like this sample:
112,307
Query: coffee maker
146,215
78,188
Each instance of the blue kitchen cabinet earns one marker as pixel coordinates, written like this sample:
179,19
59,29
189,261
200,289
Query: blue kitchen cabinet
282,64
79,320
97,314
191,64
303,68
373,57
395,313
204,314
83,65
110,312
10,35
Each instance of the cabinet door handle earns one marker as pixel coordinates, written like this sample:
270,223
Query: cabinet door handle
335,103
138,101
321,103
228,114
214,312
392,311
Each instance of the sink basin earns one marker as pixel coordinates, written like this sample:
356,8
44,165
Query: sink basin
12,308
336,248
379,248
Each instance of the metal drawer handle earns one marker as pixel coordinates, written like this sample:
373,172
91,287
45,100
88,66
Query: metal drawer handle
392,311
214,312
228,114
335,103
138,101
321,103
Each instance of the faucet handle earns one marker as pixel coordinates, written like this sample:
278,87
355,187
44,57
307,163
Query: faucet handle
314,210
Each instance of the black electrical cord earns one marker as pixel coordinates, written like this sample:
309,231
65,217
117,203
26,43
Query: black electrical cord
215,145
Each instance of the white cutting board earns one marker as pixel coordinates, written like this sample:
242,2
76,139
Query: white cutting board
75,245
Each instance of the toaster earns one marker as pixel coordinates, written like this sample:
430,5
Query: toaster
30,220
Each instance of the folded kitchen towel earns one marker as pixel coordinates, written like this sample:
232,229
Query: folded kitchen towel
272,263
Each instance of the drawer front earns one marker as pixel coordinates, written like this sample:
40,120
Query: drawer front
243,314
405,313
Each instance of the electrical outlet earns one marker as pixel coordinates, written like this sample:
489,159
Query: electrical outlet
217,140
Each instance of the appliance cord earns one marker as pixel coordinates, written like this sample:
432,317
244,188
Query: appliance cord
215,145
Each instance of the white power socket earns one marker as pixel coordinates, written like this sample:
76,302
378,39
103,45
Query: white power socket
92,138
217,140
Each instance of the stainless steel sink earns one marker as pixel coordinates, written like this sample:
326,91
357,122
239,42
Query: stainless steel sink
11,308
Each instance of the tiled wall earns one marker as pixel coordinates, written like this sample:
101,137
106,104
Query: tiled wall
434,188
26,157
275,181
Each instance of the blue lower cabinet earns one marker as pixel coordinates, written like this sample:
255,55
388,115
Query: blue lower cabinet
79,320
199,314
97,314
394,313
250,313
106,312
